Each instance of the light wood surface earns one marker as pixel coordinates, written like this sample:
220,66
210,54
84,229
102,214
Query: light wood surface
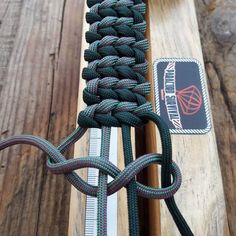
174,33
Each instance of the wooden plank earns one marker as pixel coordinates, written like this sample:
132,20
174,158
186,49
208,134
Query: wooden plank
219,49
174,33
9,22
39,84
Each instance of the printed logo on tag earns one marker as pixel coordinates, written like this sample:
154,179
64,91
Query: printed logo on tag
180,95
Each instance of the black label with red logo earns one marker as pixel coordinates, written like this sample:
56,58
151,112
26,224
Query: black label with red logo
180,95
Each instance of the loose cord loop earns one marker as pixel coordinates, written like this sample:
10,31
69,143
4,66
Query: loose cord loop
58,164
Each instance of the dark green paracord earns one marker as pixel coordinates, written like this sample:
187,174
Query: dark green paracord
132,187
102,183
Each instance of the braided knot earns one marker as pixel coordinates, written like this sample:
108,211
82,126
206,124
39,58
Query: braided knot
112,88
114,66
111,112
100,9
115,75
115,46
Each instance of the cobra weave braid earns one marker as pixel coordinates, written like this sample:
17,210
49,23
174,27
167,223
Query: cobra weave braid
115,97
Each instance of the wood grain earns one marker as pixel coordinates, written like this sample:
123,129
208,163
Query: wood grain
40,42
81,148
174,33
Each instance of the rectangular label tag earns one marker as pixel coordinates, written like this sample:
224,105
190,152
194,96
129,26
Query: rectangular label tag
180,95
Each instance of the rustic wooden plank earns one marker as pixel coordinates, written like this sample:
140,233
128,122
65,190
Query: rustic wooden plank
201,197
39,96
217,30
9,22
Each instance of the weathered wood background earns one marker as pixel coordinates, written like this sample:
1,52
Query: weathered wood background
217,23
39,77
39,72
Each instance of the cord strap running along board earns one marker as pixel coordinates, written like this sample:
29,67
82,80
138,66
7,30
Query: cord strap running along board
116,97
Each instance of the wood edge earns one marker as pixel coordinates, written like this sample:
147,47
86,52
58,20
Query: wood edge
75,206
122,212
151,142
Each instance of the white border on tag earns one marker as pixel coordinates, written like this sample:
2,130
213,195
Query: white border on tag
205,96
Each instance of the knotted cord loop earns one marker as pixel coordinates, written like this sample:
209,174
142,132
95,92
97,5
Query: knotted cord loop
58,164
115,97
